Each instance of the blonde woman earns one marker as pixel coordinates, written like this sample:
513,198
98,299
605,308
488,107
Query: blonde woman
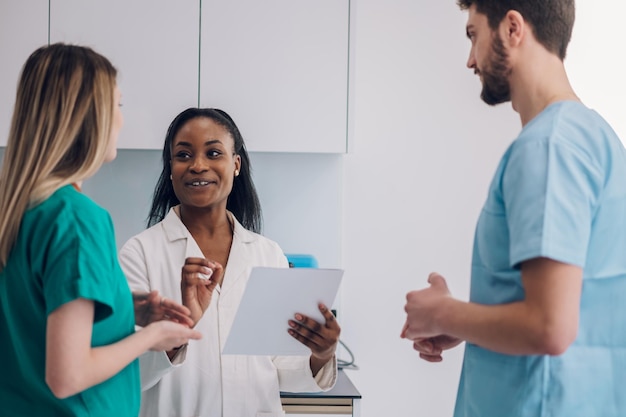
67,318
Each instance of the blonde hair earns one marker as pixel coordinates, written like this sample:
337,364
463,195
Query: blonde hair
59,133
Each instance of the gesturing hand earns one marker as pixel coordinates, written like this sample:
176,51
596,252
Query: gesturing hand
168,336
199,277
422,307
151,307
320,338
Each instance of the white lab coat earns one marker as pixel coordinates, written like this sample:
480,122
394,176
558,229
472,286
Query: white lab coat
200,381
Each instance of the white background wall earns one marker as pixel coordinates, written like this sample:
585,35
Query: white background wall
404,201
424,152
596,60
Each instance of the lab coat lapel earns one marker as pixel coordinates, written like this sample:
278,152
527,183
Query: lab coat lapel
237,267
175,230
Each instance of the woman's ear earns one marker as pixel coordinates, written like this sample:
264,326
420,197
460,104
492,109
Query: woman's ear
237,165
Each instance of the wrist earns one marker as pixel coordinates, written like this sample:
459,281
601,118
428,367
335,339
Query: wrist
322,358
442,315
172,353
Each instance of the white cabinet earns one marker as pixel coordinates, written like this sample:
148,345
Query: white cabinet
154,44
280,69
315,415
23,28
342,400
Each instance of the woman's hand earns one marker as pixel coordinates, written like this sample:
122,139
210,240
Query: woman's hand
169,335
199,277
151,307
322,339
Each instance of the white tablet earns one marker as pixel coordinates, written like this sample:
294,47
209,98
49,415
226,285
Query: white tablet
271,298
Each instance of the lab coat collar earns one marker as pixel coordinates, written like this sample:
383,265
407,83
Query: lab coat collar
236,268
175,229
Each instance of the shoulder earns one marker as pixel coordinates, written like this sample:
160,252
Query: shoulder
252,238
567,123
68,210
157,238
259,245
147,238
66,200
568,129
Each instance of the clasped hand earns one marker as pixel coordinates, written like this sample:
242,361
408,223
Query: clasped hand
422,325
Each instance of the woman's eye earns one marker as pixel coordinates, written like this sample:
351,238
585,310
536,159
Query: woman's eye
182,155
214,153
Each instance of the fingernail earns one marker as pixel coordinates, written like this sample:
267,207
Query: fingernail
298,317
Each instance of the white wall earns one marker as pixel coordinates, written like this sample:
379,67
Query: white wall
596,61
425,148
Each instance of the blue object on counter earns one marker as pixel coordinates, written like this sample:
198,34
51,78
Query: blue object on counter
297,260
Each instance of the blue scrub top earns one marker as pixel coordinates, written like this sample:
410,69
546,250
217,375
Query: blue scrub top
560,193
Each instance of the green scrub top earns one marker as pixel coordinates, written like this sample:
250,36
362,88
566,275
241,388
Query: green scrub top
65,250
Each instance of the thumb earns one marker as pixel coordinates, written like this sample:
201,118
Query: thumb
437,281
404,330
194,334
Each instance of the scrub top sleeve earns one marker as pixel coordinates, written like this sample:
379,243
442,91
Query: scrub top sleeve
550,190
81,261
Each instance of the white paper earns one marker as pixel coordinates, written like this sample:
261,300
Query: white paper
271,298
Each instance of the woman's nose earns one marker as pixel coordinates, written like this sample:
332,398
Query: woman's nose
199,165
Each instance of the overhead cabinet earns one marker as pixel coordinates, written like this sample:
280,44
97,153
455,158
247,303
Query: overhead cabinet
278,67
154,46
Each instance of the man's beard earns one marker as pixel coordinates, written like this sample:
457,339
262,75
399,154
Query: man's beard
496,88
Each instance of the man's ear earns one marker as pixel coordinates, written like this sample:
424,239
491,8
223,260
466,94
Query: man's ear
514,28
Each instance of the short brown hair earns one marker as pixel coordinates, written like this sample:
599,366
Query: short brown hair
551,20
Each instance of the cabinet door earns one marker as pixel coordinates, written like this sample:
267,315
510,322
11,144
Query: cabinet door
280,69
153,44
23,28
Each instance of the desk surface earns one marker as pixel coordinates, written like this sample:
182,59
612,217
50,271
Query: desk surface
342,389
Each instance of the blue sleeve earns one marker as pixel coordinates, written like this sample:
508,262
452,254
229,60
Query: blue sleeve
550,189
